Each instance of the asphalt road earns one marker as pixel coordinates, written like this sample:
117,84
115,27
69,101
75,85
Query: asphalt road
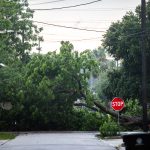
56,141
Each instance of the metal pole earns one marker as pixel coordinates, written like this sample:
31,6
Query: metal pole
118,118
39,48
144,68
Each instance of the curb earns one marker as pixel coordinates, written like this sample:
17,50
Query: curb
117,147
2,142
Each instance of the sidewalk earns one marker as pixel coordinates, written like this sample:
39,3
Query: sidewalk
2,142
117,143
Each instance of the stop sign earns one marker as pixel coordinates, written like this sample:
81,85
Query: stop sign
117,104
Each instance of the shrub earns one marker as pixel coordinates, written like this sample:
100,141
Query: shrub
6,135
109,128
85,120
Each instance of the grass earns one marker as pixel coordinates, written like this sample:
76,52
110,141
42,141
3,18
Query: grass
7,135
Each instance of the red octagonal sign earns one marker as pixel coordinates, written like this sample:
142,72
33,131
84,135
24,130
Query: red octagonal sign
117,104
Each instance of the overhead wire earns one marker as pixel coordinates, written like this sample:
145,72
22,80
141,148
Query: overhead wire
137,34
91,10
61,35
78,40
47,2
69,27
65,7
95,38
95,9
76,28
83,21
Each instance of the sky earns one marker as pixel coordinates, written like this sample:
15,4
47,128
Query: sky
97,16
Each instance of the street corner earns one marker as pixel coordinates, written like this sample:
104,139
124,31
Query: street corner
2,142
120,147
115,142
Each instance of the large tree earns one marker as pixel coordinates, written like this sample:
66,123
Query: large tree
18,34
51,83
122,41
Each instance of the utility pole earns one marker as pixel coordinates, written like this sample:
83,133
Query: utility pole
144,65
131,140
39,48
39,44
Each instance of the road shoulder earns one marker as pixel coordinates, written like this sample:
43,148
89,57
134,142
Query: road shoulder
2,142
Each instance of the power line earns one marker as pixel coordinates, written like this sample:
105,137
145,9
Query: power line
33,0
68,27
77,40
60,35
83,21
65,7
84,29
94,38
48,2
98,9
94,10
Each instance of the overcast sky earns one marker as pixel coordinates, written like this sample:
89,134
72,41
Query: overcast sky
97,16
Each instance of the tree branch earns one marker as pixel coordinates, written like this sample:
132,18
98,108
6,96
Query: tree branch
85,105
124,120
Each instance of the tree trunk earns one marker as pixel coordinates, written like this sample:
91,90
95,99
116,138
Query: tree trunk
124,120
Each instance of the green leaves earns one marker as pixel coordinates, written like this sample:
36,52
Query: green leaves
122,41
47,88
40,87
19,34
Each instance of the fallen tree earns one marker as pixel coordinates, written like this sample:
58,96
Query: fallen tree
124,119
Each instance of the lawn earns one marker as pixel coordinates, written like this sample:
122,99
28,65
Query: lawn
7,135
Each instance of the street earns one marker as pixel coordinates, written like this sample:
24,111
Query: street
56,141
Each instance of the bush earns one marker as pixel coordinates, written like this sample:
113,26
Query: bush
84,120
109,128
6,136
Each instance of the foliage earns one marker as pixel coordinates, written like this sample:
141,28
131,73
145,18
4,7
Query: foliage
18,33
105,65
133,108
6,135
101,84
47,88
122,41
109,127
10,82
121,86
85,120
43,88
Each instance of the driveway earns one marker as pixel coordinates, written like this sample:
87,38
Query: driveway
56,141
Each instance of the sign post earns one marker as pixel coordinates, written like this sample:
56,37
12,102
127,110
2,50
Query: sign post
117,104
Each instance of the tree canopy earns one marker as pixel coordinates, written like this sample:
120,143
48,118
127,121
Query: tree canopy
122,41
43,88
18,34
47,87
